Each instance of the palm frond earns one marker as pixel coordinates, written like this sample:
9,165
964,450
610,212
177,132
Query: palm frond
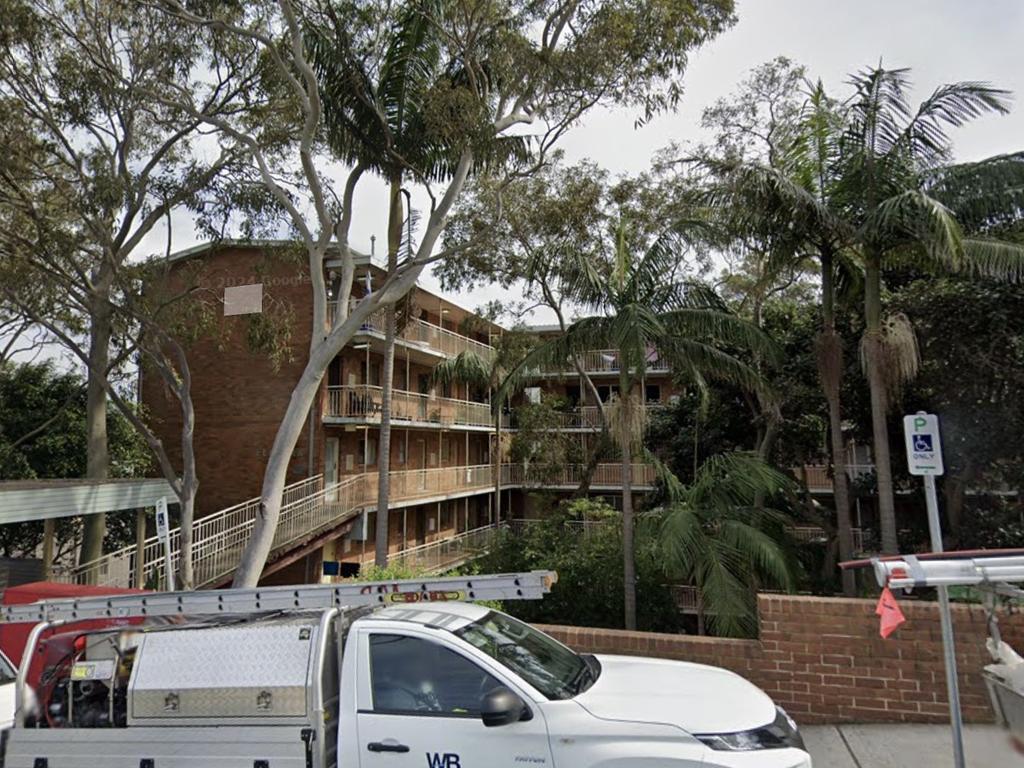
994,258
986,196
467,367
950,105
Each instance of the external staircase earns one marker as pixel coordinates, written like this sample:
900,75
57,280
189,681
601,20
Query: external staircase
311,509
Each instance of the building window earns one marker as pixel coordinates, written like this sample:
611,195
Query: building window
606,392
401,453
368,452
652,393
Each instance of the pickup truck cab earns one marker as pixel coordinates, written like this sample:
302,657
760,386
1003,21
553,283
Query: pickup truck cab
467,686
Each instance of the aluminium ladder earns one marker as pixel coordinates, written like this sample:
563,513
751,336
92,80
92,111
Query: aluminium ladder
531,585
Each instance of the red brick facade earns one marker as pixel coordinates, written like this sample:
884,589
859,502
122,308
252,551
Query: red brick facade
823,660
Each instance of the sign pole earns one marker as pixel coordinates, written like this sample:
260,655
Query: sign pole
924,457
163,530
948,643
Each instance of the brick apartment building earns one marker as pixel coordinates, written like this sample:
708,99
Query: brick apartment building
442,440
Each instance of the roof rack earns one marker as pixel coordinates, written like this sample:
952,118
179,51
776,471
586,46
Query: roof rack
531,585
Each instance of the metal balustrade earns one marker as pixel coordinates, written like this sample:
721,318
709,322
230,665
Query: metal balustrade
449,343
585,418
605,475
443,554
362,403
600,361
818,478
309,509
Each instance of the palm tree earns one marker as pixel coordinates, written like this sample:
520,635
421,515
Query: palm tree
376,121
645,312
715,536
470,368
793,201
890,155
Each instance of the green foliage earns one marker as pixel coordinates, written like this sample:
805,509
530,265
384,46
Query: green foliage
42,435
712,535
589,591
540,442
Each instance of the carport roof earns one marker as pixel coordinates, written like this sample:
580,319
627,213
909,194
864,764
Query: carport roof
26,500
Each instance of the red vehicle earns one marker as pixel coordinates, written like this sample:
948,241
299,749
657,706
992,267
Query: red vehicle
14,636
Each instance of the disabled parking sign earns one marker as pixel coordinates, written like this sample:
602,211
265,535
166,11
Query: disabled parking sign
924,449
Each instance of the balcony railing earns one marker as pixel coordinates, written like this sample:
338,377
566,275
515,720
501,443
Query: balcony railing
443,554
818,478
363,403
605,476
813,534
449,343
600,361
584,418
309,508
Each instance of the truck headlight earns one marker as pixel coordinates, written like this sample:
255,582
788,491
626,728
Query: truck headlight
782,733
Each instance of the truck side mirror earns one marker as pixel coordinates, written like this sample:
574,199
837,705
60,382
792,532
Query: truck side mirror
503,707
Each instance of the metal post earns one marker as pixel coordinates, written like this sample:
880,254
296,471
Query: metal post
49,534
140,549
948,643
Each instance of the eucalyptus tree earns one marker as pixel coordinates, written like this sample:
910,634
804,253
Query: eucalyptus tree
891,157
646,311
94,161
505,69
530,236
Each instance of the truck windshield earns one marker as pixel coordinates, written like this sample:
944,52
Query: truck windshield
541,661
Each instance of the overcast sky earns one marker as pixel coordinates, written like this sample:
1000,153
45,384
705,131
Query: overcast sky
940,40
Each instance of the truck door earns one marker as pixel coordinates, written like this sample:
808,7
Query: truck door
420,708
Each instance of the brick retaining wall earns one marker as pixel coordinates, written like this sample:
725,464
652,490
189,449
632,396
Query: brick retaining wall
823,660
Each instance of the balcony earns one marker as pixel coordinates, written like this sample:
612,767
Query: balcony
818,478
586,418
420,334
361,404
442,554
605,477
600,362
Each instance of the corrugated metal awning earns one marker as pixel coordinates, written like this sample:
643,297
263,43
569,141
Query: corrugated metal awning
25,500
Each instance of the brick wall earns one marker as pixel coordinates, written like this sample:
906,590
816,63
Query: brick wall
239,396
823,660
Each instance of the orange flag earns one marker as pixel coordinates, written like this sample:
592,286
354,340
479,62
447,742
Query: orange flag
890,612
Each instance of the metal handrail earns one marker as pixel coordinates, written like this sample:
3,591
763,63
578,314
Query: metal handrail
599,361
449,343
363,402
308,509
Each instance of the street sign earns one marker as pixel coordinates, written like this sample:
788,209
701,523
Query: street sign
924,457
924,447
163,532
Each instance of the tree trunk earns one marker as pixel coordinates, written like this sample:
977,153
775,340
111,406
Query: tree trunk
387,377
97,446
628,559
189,487
830,370
875,360
260,544
955,492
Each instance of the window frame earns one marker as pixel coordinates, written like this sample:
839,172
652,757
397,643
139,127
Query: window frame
365,693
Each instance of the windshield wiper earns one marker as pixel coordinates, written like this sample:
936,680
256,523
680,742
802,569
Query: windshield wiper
586,677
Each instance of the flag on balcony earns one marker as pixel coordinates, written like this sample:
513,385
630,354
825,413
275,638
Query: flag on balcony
889,611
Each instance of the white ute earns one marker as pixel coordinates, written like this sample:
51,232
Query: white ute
396,675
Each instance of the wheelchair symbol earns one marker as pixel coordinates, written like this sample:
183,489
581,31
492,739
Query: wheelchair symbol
923,443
